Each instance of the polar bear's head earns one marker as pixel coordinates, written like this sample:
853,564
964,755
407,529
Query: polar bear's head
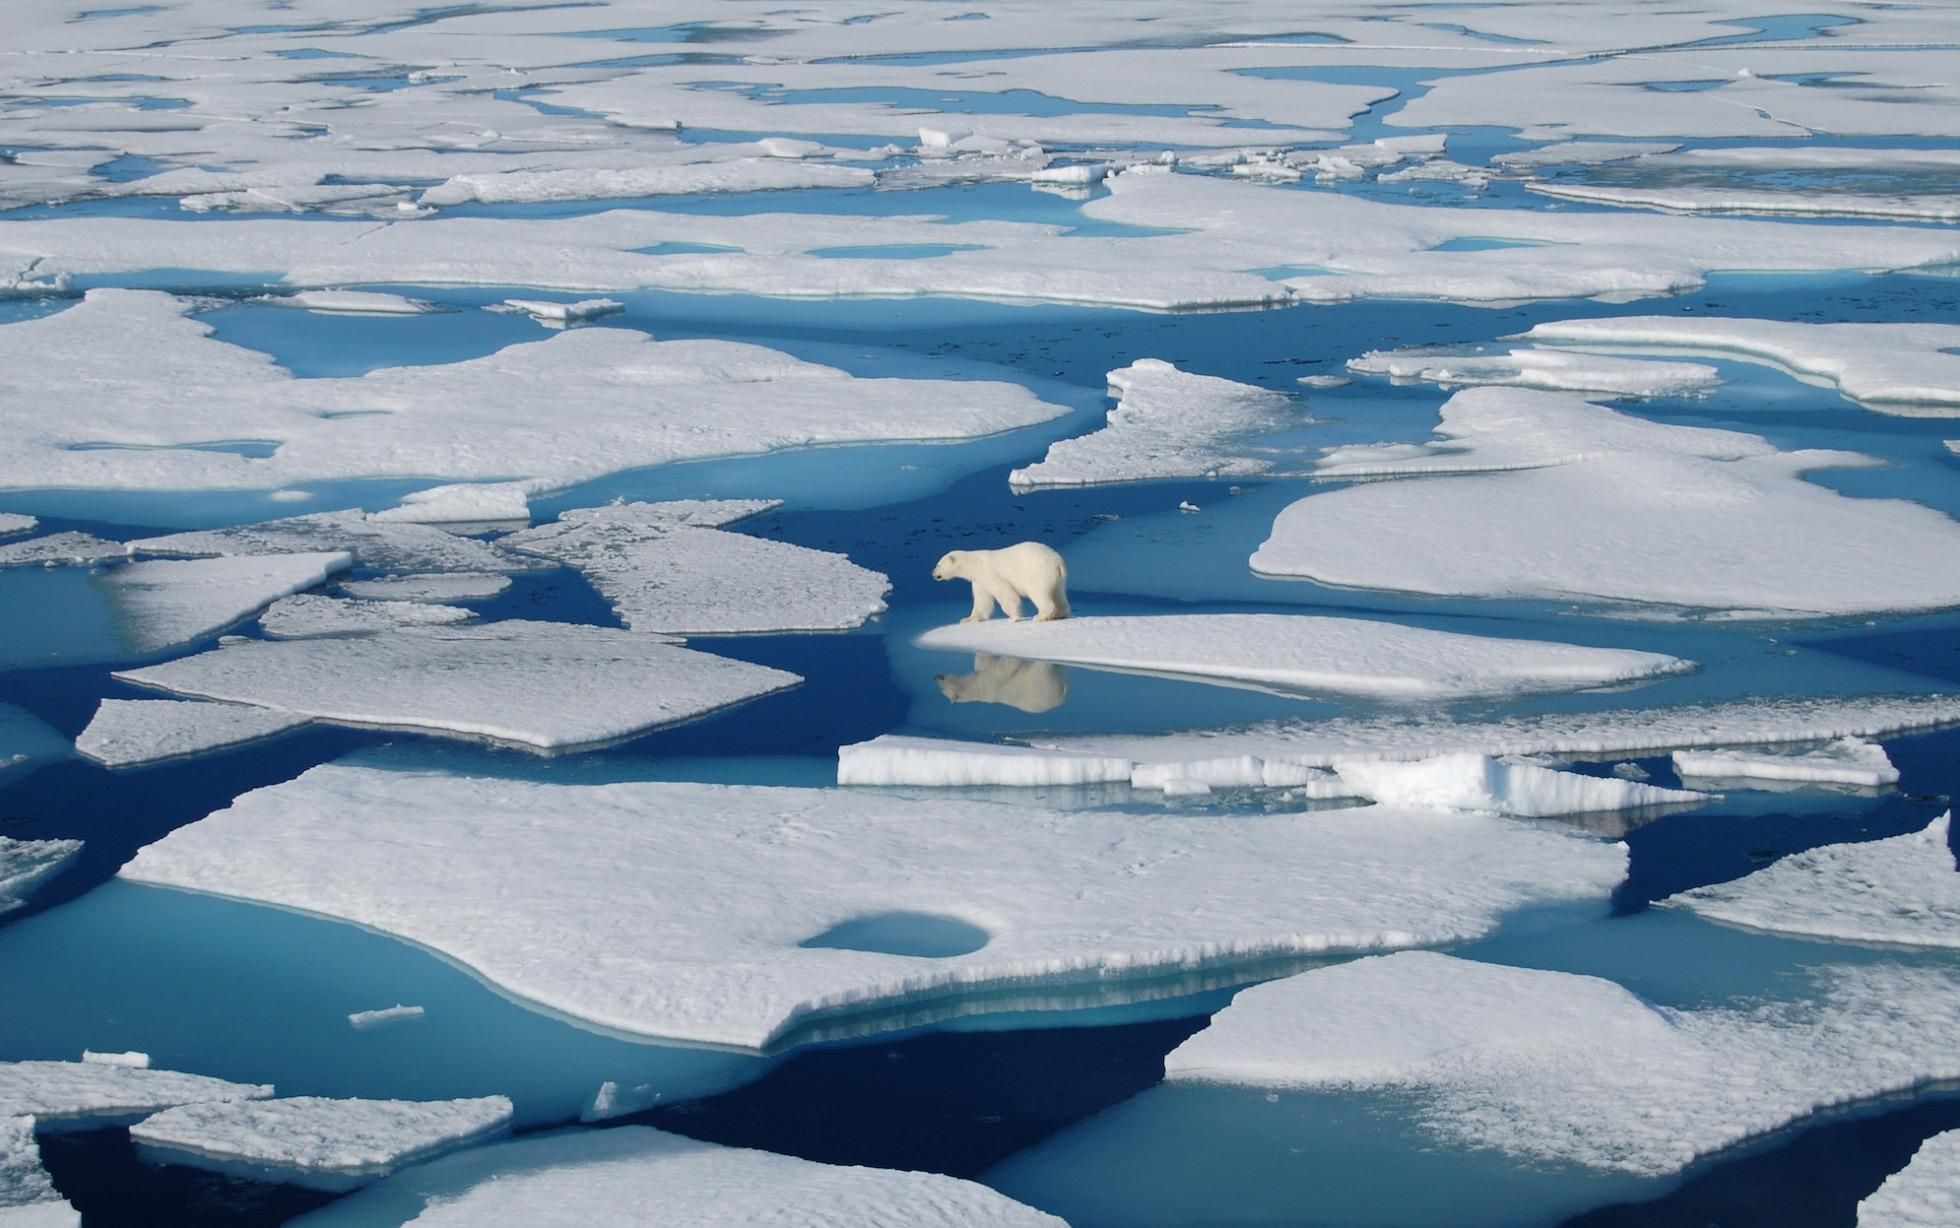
951,565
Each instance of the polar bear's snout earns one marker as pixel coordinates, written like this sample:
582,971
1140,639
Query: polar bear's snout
944,569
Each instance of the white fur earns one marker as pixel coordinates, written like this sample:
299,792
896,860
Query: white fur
1003,577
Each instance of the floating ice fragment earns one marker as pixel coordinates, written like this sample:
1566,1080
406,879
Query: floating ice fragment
1468,781
72,548
309,614
612,1100
26,864
316,1142
893,759
16,522
1323,381
1846,761
467,503
378,543
1903,890
130,732
1550,369
351,302
362,1020
432,587
166,603
133,1060
1924,1194
87,1095
27,1197
549,312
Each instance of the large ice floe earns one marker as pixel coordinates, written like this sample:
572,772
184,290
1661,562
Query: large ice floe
1309,653
27,1198
1924,1194
26,864
551,686
310,614
1535,494
1895,368
1039,899
132,732
671,568
314,1141
1548,369
89,1095
1901,891
637,1175
1842,761
1167,424
167,602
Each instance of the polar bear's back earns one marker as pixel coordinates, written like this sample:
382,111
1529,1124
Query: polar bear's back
1030,559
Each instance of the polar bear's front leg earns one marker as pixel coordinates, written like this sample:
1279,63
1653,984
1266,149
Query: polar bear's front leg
983,605
1009,602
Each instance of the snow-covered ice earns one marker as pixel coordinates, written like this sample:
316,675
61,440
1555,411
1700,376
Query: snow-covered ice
1924,1194
1903,891
16,522
462,503
1554,1067
579,1178
1469,781
26,864
130,732
69,547
320,1143
434,587
1536,494
27,1197
1845,761
89,1095
351,302
1167,424
684,948
1806,202
551,686
1309,653
548,312
895,759
310,614
362,1020
131,1058
167,602
380,544
1550,369
666,568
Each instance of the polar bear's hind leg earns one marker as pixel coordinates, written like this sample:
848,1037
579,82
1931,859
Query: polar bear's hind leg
1051,601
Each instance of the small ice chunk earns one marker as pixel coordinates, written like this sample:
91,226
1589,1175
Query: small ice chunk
88,1095
71,547
27,1197
382,545
1185,505
566,313
1924,1194
1323,381
430,587
894,759
171,602
362,1020
1847,761
1474,782
612,1100
1902,890
350,302
316,1142
1632,771
16,522
131,732
462,503
26,864
310,614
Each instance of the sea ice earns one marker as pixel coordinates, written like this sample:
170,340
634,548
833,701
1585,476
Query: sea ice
320,1143
16,522
667,568
1535,494
1845,761
547,685
26,864
1308,653
88,1095
129,732
633,1174
1469,781
1805,202
1902,890
682,949
463,503
165,603
1552,1067
131,1059
380,544
27,1198
677,179
362,1020
351,302
1924,1194
430,587
561,314
310,614
1167,424
894,759
1551,369
71,547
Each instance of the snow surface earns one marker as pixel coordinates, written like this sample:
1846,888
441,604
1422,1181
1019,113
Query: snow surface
1535,494
579,1178
665,568
26,864
130,732
685,948
373,543
1167,424
1902,890
1553,1067
1846,761
1550,369
1896,368
310,614
429,587
71,547
1294,652
551,686
1469,781
164,603
16,522
320,1143
27,1197
351,302
88,1095
1924,1194
466,503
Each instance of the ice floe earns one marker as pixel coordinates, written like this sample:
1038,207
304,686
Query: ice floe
1896,368
383,545
1308,653
27,1197
1535,494
895,759
668,568
26,864
431,587
130,732
70,548
676,179
352,302
546,311
681,950
1903,891
362,1020
1469,781
465,503
16,522
1167,424
310,614
320,1143
168,602
89,1095
546,685
1924,1194
129,1058
1807,202
1844,761
1551,369
1553,1067
578,1178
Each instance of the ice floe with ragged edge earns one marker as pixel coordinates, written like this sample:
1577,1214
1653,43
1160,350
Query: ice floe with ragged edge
26,864
1536,494
16,522
70,548
311,614
1842,761
1043,901
577,1178
132,732
1548,369
27,1197
463,503
124,390
1923,1194
89,1095
1895,368
435,587
384,545
1901,891
167,602
671,568
1309,654
1552,1067
1166,423
351,302
315,1141
548,686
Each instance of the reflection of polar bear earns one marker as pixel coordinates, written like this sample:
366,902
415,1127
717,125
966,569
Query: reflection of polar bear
1003,577
1031,686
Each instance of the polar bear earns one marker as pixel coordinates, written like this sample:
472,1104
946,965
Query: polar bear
1002,577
